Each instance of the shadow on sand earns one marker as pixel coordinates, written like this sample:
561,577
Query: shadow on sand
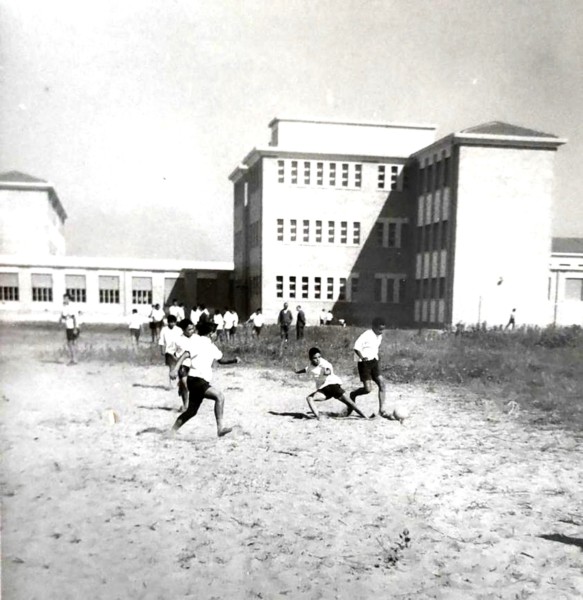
563,539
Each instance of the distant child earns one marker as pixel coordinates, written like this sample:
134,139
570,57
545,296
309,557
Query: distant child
512,320
328,385
70,316
257,320
169,336
156,322
366,349
201,352
136,321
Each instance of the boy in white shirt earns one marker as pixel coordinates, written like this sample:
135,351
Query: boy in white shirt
328,385
71,317
135,326
257,320
169,336
366,349
200,353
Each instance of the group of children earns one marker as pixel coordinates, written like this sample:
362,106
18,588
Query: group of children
190,353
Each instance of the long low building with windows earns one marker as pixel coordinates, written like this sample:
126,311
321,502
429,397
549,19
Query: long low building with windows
106,290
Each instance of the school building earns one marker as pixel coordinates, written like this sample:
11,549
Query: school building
383,219
35,271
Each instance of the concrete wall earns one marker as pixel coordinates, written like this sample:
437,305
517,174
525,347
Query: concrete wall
565,280
29,224
503,235
389,140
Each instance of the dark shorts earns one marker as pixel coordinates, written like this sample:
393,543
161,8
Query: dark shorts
72,334
152,325
368,370
170,360
334,390
257,330
197,388
135,333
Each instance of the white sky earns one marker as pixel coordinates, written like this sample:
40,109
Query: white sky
138,111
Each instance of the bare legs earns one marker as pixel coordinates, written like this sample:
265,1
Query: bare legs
317,396
193,406
367,389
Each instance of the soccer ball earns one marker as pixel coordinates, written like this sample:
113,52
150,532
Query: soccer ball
400,414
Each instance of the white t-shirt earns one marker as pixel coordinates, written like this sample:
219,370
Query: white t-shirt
195,315
169,338
219,321
157,315
202,355
230,319
174,310
318,374
257,319
368,345
70,316
136,321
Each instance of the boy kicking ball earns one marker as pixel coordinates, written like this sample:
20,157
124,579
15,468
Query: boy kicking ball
328,385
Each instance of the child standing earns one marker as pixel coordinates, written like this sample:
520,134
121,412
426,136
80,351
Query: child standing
328,385
136,321
169,336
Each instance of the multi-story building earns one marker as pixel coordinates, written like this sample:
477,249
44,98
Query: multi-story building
32,216
565,288
383,220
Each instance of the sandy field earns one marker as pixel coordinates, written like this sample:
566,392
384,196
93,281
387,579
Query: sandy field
462,501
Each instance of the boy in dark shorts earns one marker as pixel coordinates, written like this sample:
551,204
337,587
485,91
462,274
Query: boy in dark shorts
200,353
169,337
328,385
366,349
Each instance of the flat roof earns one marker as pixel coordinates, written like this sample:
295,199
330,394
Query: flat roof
354,123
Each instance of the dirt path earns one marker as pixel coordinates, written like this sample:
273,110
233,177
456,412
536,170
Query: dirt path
285,507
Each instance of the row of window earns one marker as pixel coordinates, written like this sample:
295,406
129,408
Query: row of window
433,237
387,288
435,175
75,287
334,174
318,232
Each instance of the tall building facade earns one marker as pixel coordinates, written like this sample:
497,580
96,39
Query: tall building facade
384,220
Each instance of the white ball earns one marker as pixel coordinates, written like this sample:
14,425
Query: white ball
401,414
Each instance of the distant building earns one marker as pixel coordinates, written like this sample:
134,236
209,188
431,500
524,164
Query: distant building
35,273
383,220
565,286
32,216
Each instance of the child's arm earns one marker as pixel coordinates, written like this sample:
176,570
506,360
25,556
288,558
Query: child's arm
174,370
304,370
229,361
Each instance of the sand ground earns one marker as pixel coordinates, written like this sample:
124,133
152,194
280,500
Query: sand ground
285,506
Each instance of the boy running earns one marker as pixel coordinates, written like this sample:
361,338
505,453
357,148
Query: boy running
366,349
201,352
328,385
169,336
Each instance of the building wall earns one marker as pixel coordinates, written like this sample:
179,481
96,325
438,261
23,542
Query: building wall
101,301
342,262
502,235
344,138
565,289
29,224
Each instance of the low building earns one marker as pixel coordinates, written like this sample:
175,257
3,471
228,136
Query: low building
565,285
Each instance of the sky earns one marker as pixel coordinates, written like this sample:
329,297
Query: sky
138,111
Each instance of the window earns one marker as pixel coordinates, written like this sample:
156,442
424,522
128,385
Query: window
392,235
404,235
317,288
294,172
279,286
356,233
394,177
379,233
9,290
353,287
357,176
305,287
42,287
345,167
141,290
330,232
76,288
402,290
378,289
441,287
318,232
320,173
280,171
330,288
280,230
573,289
381,177
342,289
306,236
332,174
108,289
293,230
307,172
292,286
444,231
343,232
446,172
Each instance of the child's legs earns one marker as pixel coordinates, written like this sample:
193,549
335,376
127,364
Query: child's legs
219,399
312,399
351,405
